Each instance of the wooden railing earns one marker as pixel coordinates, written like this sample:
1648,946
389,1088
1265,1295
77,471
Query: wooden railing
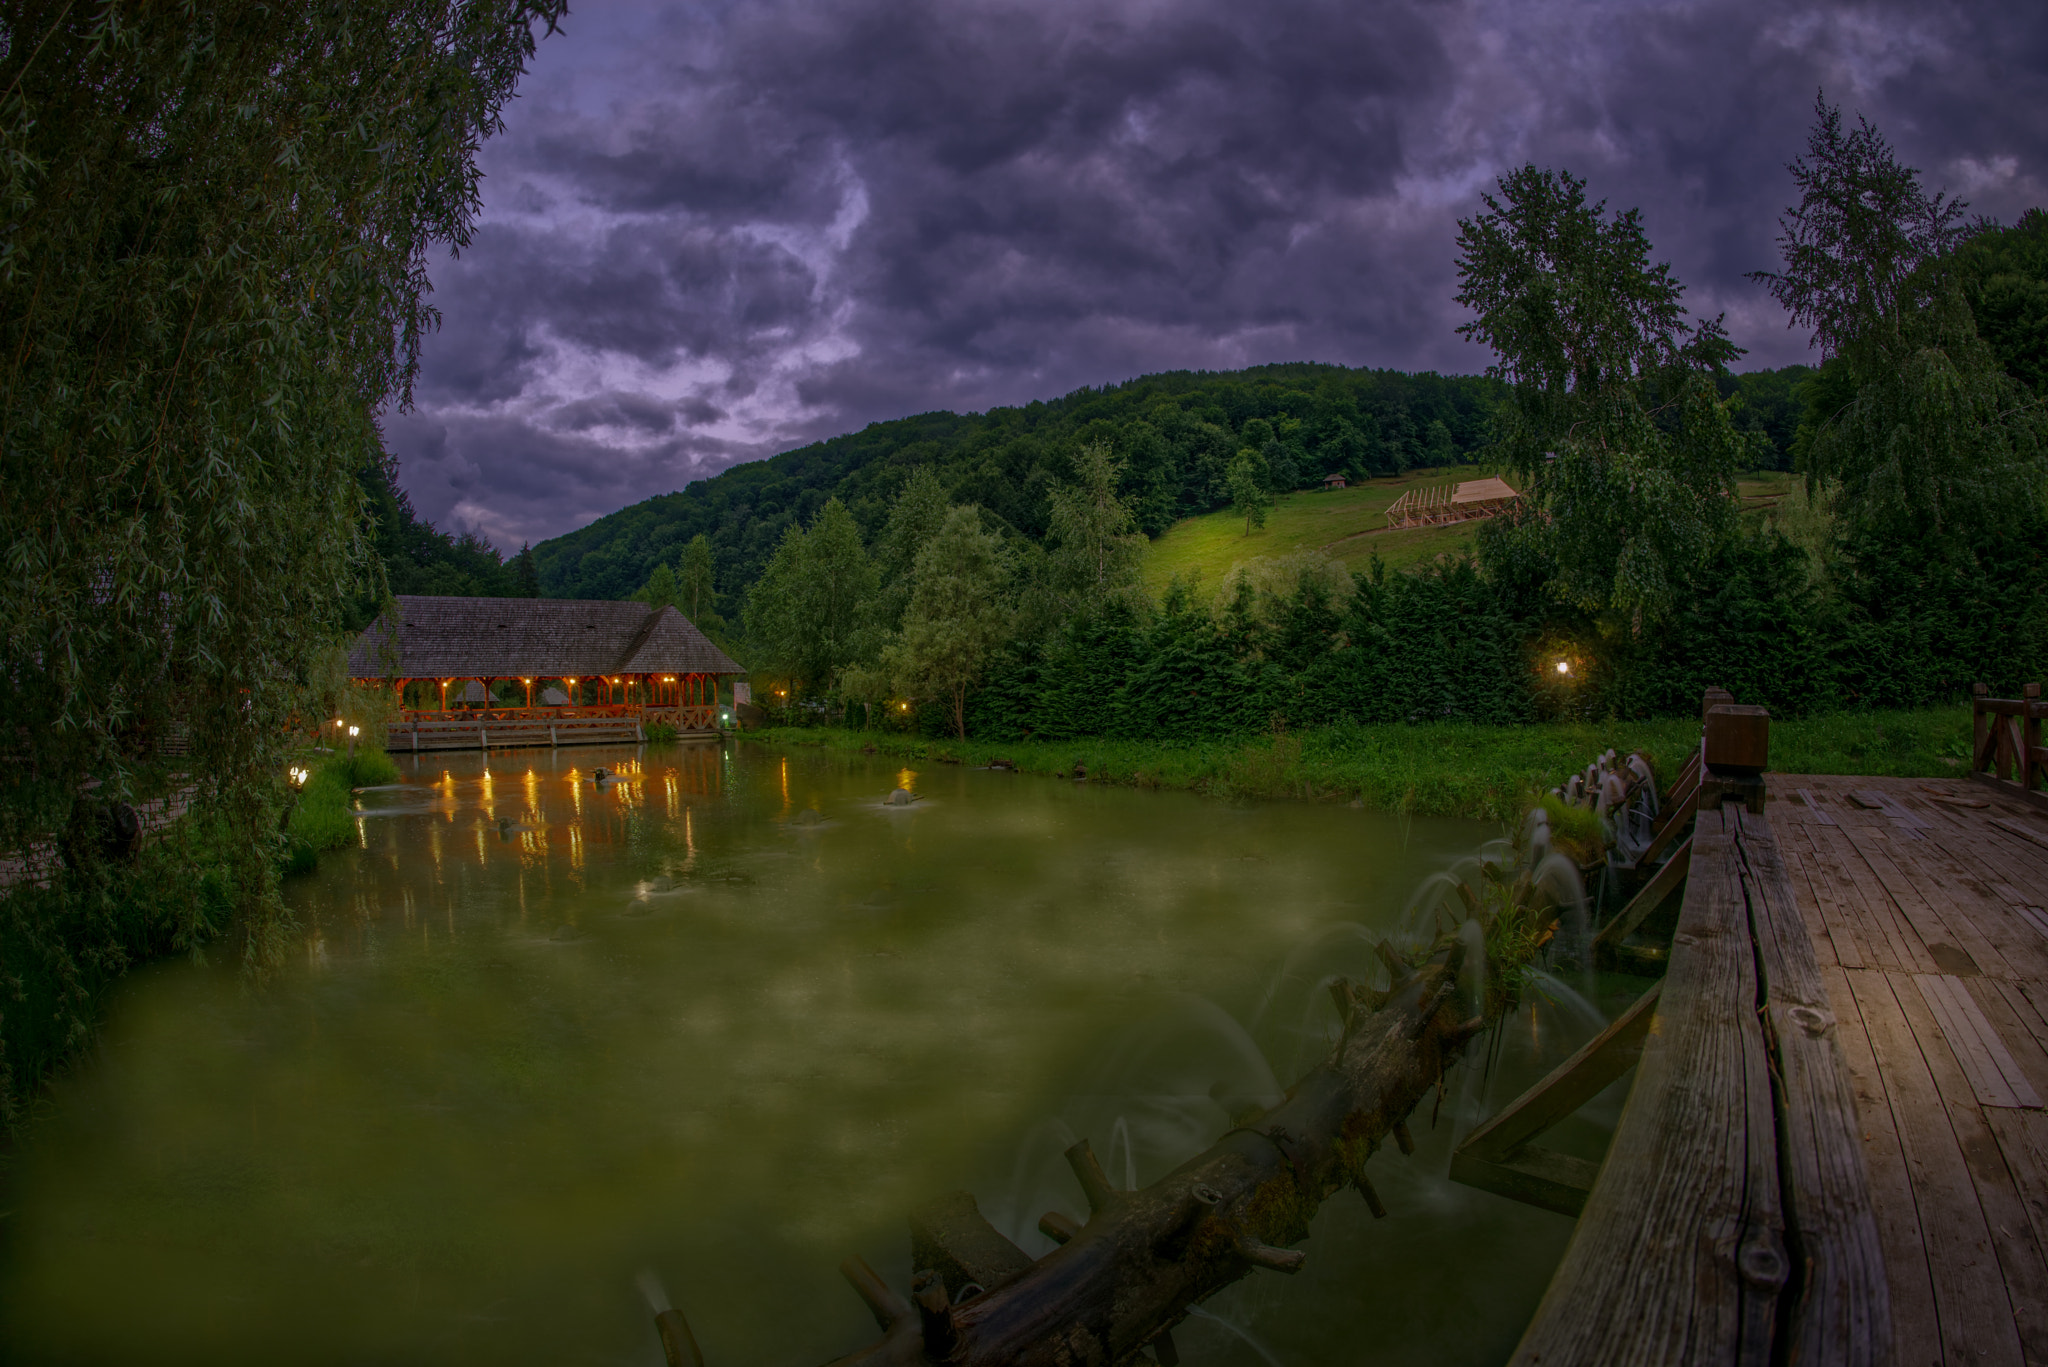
2006,736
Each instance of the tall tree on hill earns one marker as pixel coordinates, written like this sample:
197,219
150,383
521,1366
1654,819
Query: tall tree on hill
915,516
525,574
1249,496
698,593
960,615
807,615
1615,426
1924,433
1094,547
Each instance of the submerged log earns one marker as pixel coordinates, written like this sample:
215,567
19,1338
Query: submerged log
1121,1279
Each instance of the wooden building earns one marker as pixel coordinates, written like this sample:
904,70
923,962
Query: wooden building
617,666
1440,504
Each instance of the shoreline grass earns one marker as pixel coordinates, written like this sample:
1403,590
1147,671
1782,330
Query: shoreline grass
323,817
1491,773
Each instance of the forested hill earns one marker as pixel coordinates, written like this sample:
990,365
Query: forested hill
1177,433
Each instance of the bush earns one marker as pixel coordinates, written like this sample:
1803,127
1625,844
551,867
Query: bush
323,817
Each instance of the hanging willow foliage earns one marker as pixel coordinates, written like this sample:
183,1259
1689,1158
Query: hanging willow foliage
213,250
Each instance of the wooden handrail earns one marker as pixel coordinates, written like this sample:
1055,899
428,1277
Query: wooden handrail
2005,736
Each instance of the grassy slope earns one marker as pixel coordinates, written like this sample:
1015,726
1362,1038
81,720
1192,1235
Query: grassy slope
1348,525
1489,772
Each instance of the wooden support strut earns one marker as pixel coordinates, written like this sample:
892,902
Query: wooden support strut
1668,882
1499,1157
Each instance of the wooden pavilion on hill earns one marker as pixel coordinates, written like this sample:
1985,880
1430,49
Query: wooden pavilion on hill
1441,504
619,667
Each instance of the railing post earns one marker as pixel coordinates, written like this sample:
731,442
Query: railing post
1980,728
2030,736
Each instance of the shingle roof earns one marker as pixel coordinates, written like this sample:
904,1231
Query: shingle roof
511,638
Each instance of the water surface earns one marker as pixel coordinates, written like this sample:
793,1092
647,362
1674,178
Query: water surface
729,1019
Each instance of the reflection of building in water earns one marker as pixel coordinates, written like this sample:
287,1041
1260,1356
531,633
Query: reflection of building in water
478,673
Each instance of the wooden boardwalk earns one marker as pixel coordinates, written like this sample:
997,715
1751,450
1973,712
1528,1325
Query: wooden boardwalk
1926,902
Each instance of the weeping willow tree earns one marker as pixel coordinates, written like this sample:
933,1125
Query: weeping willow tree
212,277
1926,437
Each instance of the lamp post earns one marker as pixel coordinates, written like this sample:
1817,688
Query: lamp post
352,731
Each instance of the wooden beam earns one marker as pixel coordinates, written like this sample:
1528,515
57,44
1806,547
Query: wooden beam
1663,885
1680,1253
1535,1176
1842,1300
1569,1086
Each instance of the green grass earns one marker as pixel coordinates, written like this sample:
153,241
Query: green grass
1347,525
323,818
1488,772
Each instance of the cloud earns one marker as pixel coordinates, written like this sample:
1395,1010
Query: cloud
715,233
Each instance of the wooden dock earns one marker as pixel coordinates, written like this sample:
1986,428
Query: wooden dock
1924,903
1834,1148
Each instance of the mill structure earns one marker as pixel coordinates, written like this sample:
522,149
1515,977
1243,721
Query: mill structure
471,673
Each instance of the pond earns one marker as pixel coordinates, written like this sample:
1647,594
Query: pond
726,1020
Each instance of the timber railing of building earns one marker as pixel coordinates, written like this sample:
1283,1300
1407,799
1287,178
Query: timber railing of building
505,728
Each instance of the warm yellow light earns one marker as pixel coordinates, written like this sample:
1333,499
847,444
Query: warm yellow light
1563,668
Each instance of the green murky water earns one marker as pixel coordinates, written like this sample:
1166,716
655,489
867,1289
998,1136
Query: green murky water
729,1019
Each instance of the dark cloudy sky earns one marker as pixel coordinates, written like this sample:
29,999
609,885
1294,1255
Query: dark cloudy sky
715,231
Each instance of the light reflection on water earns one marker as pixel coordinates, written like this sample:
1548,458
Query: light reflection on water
548,1031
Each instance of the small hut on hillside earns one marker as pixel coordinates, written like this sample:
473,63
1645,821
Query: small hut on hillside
617,667
1441,504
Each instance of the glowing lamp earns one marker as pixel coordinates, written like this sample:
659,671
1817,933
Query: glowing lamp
1563,667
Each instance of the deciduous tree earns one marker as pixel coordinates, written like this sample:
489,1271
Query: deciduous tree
960,613
1625,450
1249,496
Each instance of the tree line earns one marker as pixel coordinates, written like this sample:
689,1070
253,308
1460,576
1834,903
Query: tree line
1177,434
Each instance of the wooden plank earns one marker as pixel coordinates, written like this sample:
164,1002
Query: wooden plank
1973,1310
1679,1256
1892,941
2022,1138
1916,1329
2019,1257
2035,917
1809,906
1570,1085
1998,942
1843,928
2012,791
1651,896
1925,877
2020,829
1813,804
2017,1024
2002,865
1533,1175
1844,1311
1994,1074
1951,943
